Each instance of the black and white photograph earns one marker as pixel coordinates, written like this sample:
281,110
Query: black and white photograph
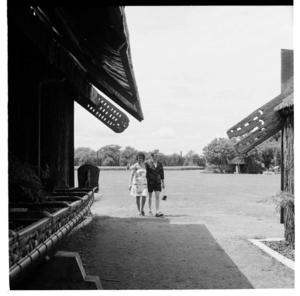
149,148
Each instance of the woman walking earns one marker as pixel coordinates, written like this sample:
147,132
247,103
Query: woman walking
138,182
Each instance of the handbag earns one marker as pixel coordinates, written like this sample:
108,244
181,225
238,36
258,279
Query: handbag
164,194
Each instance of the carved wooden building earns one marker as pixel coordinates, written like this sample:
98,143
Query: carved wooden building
276,115
58,56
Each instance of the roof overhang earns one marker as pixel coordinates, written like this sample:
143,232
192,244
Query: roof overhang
267,120
260,125
236,160
90,45
286,107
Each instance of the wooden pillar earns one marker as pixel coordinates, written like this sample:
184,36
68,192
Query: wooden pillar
57,129
40,112
282,176
287,80
26,67
288,154
288,176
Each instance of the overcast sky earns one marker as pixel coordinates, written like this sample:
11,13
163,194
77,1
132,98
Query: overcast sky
199,70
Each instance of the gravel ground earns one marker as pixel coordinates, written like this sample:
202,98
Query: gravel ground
282,248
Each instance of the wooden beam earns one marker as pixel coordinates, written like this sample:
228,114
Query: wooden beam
67,63
260,125
260,118
256,138
90,67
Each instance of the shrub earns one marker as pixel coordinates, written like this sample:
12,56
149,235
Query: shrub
286,201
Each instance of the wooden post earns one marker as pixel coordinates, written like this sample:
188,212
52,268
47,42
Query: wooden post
287,72
282,176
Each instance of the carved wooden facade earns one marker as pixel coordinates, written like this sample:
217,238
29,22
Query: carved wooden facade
58,56
276,115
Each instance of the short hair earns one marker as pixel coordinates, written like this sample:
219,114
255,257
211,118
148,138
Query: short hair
140,154
155,151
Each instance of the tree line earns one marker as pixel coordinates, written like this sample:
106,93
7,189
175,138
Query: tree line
262,157
113,155
217,153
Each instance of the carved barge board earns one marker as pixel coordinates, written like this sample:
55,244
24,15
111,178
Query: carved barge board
62,59
261,124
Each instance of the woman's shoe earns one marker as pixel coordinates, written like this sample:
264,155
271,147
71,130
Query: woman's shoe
159,214
143,213
150,213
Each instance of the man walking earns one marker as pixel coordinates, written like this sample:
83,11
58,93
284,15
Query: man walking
155,180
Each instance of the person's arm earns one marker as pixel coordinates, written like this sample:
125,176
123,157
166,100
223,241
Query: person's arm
147,169
131,177
162,175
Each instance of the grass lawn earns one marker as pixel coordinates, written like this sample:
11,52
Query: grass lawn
192,191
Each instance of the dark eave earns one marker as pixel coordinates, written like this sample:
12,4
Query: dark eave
90,45
286,107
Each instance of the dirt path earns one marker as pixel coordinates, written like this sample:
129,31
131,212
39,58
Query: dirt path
149,253
201,243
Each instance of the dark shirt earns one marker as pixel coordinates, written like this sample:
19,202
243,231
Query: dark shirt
154,174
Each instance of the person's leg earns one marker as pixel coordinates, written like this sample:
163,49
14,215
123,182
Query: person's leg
150,202
138,203
143,204
157,200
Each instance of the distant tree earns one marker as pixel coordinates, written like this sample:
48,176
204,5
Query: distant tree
112,155
111,151
270,152
218,151
201,161
84,155
108,161
253,163
267,155
189,159
174,160
92,159
163,158
128,155
198,160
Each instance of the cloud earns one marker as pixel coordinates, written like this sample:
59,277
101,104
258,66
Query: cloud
165,132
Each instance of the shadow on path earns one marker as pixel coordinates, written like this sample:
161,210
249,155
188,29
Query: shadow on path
151,253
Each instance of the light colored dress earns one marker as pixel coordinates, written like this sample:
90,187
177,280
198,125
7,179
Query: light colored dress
139,186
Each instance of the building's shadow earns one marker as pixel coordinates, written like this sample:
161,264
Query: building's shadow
151,254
